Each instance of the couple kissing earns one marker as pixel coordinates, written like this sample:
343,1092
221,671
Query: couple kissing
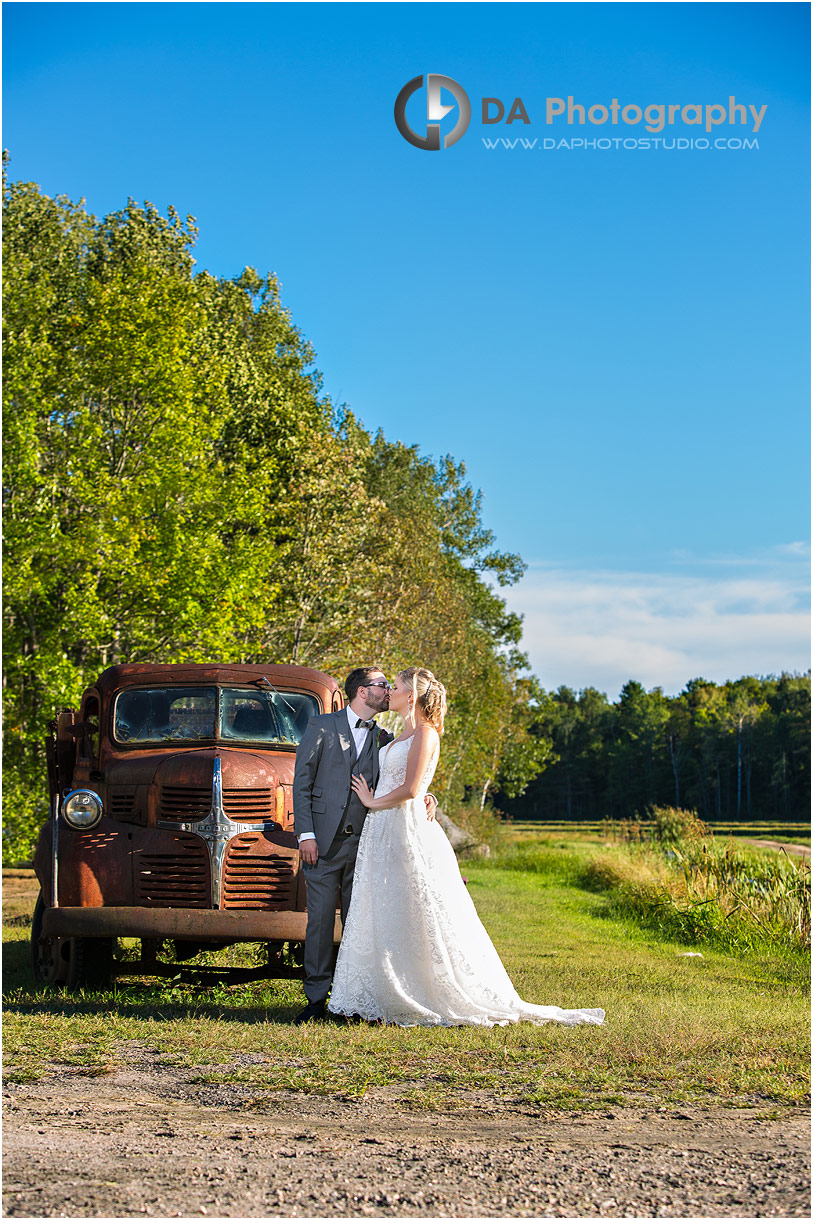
413,949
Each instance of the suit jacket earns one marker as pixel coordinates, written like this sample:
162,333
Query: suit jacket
324,763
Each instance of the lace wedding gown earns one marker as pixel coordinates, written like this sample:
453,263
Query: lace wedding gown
414,951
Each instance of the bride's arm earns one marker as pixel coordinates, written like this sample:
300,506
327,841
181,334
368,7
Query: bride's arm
420,752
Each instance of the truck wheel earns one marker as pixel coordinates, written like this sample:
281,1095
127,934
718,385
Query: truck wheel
90,963
70,962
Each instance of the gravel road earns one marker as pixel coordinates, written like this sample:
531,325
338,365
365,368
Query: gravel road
148,1140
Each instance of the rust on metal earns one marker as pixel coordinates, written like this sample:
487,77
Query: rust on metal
300,677
175,924
196,842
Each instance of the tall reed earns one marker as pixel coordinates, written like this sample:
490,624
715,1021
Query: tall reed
672,873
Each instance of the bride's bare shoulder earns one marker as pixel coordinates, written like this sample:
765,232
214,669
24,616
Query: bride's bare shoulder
427,734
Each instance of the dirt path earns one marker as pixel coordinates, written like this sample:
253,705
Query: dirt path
793,849
149,1139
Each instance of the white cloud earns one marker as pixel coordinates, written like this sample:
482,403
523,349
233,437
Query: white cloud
601,628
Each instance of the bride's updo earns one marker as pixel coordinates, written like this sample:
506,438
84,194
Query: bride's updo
429,694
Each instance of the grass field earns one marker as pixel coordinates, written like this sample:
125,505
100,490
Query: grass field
716,1030
777,832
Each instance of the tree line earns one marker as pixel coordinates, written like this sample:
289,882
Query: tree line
735,751
177,486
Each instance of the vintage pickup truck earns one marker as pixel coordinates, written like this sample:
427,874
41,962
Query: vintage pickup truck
172,821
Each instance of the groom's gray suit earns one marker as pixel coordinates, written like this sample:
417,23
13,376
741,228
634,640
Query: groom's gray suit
325,805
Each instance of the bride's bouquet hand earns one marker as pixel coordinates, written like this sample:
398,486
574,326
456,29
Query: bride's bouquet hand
362,790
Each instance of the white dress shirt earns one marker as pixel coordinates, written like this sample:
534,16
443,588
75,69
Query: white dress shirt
361,735
359,740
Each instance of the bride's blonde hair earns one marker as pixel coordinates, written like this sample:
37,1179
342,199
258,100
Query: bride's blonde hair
428,694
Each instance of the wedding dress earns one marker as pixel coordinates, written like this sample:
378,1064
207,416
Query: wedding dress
413,950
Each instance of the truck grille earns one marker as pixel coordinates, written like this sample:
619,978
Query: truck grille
177,878
249,804
177,803
122,802
261,883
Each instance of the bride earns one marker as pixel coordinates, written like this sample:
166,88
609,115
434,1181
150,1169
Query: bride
413,950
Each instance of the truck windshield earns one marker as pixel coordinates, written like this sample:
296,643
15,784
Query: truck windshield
273,717
209,713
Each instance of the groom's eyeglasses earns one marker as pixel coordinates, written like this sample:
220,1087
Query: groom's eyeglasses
385,685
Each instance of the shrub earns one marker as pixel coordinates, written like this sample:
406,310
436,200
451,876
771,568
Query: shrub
701,891
666,824
486,826
671,825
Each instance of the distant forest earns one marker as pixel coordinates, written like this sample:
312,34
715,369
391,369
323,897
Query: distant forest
739,751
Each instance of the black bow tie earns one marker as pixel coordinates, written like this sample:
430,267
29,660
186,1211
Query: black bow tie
365,724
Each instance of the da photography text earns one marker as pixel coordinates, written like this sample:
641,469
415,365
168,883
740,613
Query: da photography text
654,116
425,103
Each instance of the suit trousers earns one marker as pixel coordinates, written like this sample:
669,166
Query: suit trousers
329,883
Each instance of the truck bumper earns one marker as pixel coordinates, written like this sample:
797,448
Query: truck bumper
175,923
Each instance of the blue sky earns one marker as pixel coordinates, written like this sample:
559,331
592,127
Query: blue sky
614,340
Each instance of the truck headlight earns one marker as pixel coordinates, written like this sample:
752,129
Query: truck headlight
82,809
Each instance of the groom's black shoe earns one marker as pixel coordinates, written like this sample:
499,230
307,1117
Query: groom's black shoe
315,1011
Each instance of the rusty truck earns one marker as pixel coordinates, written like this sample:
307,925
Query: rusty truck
171,823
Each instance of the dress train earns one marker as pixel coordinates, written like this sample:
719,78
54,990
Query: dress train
414,951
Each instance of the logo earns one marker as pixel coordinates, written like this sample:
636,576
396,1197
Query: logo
435,111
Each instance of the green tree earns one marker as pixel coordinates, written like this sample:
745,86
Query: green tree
637,751
177,487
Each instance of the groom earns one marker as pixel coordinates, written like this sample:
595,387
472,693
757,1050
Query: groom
328,816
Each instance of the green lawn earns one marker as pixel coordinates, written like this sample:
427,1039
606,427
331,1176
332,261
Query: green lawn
717,1030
